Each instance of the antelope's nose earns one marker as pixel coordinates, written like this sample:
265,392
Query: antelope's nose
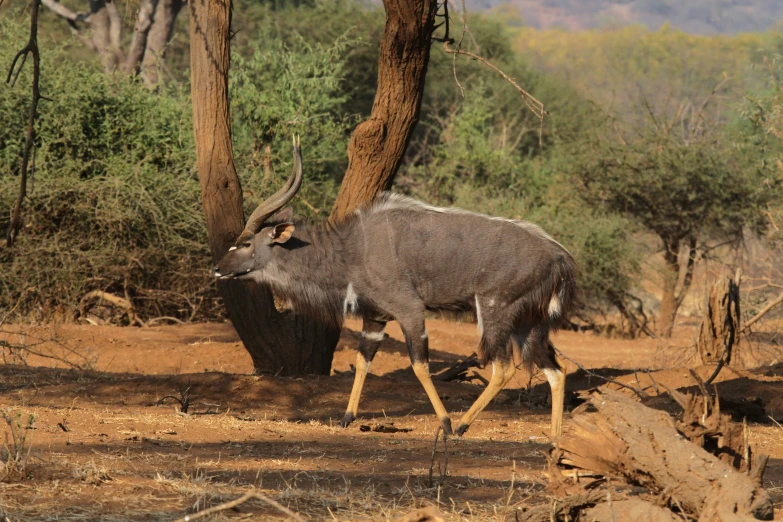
217,270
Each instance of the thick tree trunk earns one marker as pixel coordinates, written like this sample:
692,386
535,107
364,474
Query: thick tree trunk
280,342
277,343
672,299
158,38
378,144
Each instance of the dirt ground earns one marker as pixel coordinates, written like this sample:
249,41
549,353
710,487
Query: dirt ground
101,448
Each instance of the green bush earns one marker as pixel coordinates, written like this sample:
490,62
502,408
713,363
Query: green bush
114,202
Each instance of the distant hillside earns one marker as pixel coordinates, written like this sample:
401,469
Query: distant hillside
692,16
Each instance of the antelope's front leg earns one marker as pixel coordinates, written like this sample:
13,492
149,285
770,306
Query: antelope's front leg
372,335
418,349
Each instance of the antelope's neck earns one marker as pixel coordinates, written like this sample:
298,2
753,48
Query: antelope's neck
314,268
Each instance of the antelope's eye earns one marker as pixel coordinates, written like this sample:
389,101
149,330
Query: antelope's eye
245,245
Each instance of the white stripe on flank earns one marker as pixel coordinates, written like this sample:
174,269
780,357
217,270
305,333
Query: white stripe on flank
554,307
479,322
391,201
351,300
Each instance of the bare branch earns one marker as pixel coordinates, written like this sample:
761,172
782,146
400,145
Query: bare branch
533,104
30,48
241,500
72,17
763,312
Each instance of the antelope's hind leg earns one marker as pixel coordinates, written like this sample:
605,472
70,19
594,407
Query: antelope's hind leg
371,337
557,380
496,345
502,372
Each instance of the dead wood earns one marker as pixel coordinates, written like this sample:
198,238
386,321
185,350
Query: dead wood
427,514
241,500
459,370
119,302
763,312
720,327
384,427
558,509
624,438
632,510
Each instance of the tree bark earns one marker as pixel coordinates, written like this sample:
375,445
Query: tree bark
158,38
672,299
138,43
277,342
625,438
720,327
105,23
378,144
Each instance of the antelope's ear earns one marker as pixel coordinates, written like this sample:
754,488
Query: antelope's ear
286,215
282,232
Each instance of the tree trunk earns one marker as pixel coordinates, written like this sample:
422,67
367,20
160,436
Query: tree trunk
277,342
281,342
106,25
378,144
720,327
138,43
158,38
677,274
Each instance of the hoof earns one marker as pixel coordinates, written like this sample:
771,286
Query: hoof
445,422
461,429
347,420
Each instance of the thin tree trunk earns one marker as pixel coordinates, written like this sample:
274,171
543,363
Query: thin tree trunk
676,275
668,308
277,342
158,38
106,25
139,39
378,144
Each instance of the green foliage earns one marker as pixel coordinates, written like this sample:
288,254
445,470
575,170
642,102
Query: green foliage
114,201
285,89
674,180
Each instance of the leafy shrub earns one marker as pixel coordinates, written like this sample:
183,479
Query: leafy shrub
114,203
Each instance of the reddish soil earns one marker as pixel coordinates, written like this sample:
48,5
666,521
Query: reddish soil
103,449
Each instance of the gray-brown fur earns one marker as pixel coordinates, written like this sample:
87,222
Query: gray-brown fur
399,258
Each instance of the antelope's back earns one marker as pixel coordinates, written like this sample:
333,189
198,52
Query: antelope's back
449,255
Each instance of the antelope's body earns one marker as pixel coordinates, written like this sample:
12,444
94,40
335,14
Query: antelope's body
398,258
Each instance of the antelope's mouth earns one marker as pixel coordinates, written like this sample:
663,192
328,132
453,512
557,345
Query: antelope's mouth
231,275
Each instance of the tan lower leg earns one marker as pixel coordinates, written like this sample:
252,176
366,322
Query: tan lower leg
502,372
362,367
556,380
422,371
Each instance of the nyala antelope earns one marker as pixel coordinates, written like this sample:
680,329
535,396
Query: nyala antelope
398,258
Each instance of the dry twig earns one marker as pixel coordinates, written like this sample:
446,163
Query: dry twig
241,500
13,74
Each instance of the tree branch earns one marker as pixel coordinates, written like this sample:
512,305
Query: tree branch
72,17
241,500
30,48
763,312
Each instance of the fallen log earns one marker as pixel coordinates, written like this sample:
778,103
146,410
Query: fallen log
624,438
633,510
558,509
458,371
